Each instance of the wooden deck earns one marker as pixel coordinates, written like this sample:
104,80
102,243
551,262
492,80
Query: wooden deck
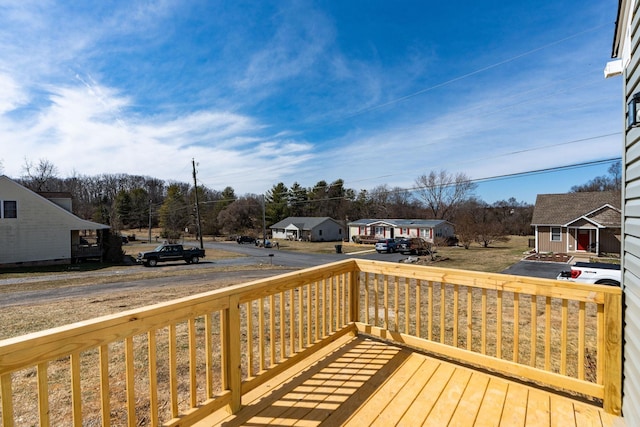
362,382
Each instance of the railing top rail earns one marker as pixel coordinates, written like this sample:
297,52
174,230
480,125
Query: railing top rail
496,281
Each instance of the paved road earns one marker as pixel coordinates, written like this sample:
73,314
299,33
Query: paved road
545,270
256,255
252,256
56,294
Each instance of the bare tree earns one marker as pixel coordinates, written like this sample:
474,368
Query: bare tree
611,182
478,222
39,177
442,192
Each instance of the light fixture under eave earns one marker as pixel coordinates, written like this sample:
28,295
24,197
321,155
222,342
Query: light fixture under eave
633,111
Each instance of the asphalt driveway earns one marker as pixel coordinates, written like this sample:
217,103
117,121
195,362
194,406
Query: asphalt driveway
544,270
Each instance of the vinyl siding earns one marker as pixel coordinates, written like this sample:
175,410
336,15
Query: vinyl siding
546,245
610,241
41,232
631,240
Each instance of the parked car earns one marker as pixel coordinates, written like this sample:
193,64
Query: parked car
245,239
386,245
168,252
263,243
593,273
414,246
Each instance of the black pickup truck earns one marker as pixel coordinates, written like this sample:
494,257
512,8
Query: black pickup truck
170,253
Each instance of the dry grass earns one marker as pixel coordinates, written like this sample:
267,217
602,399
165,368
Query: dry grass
493,259
17,320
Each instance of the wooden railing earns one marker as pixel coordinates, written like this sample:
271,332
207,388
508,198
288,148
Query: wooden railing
561,334
177,362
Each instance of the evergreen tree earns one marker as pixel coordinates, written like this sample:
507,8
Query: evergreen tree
298,198
276,203
174,213
122,208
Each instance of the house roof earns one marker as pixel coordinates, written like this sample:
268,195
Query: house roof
562,209
408,223
70,219
303,222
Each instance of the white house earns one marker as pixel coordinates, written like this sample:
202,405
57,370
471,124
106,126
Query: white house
428,229
313,229
36,230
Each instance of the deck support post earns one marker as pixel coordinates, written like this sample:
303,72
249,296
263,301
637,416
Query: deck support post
612,402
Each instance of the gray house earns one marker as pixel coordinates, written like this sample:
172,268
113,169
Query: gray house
312,229
625,51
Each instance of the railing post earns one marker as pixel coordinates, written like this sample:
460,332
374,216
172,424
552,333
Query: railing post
612,354
354,294
231,344
6,394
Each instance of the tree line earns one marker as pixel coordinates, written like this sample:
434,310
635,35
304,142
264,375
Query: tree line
125,201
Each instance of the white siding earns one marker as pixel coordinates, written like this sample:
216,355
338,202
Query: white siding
42,230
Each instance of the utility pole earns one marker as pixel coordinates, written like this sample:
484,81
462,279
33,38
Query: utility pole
195,188
150,207
264,222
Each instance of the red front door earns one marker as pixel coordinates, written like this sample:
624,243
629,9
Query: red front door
583,240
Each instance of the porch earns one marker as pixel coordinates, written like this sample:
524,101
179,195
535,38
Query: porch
356,341
360,381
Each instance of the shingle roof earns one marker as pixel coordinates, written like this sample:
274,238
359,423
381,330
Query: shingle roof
303,222
560,209
431,223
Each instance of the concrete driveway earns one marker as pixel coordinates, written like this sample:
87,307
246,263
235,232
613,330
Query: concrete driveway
544,270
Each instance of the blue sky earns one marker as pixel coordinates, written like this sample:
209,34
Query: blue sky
261,92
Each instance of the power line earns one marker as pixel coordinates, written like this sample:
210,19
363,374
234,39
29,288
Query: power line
472,73
488,178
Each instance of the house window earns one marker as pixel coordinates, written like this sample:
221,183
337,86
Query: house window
319,232
9,209
556,235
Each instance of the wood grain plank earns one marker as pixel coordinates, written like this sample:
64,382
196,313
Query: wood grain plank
444,408
538,408
587,415
430,393
403,400
492,404
562,412
469,405
515,407
367,413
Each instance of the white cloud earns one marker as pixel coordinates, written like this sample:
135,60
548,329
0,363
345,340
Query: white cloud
11,94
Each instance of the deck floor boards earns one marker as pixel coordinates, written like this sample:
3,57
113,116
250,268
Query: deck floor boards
365,382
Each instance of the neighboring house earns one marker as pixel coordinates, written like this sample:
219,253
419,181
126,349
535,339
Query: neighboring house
625,50
36,230
578,222
428,229
312,229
